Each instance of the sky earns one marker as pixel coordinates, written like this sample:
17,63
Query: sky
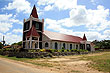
73,17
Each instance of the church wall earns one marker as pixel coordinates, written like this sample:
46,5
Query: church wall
67,45
44,40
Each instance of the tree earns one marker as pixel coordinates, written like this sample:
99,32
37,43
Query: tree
1,45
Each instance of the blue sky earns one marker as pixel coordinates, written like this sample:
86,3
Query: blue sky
73,17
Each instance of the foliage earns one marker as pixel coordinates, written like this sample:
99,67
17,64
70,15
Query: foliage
63,48
42,50
104,44
18,43
51,50
32,50
1,45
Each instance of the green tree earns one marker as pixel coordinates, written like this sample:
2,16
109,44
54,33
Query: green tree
1,45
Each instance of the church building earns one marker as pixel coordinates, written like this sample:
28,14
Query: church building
35,37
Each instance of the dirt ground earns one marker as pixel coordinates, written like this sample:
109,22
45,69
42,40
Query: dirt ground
62,64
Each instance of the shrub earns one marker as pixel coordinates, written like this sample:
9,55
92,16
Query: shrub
31,50
42,50
72,50
68,50
75,50
62,50
50,55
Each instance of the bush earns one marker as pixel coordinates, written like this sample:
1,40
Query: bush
72,50
62,50
42,50
31,50
50,55
67,50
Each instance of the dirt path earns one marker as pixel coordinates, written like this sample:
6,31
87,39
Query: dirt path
9,66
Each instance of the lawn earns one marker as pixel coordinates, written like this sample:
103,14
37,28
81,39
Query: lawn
99,62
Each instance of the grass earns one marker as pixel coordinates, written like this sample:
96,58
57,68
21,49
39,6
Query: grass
14,58
42,64
28,60
75,71
100,62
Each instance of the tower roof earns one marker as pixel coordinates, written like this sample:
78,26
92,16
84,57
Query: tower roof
33,32
84,38
34,12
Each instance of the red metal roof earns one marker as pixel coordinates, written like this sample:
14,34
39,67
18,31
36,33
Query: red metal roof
34,12
62,37
32,32
84,38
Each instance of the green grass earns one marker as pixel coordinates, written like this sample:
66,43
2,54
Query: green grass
75,71
14,58
100,62
41,64
28,60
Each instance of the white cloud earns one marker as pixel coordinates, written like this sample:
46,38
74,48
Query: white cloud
91,35
4,27
6,22
49,7
12,38
17,31
1,35
60,4
19,5
94,2
91,19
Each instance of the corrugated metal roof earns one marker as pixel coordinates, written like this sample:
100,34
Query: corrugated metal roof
62,37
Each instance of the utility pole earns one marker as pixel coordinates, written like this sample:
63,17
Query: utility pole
3,41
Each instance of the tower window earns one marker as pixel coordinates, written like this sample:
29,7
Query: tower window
37,26
27,26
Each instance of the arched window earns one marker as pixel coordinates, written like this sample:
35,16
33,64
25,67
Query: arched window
70,46
76,46
56,45
46,44
64,45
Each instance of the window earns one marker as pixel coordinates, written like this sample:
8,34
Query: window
27,26
37,26
46,44
36,45
70,46
56,45
64,45
76,46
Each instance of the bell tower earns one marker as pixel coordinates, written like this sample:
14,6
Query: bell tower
33,25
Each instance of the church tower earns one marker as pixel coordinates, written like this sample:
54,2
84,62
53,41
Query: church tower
32,31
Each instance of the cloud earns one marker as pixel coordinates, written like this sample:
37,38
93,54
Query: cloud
6,22
91,19
19,5
12,38
60,4
17,31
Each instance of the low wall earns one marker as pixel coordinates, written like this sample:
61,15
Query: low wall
39,54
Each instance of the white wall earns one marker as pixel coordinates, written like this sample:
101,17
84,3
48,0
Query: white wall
67,45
